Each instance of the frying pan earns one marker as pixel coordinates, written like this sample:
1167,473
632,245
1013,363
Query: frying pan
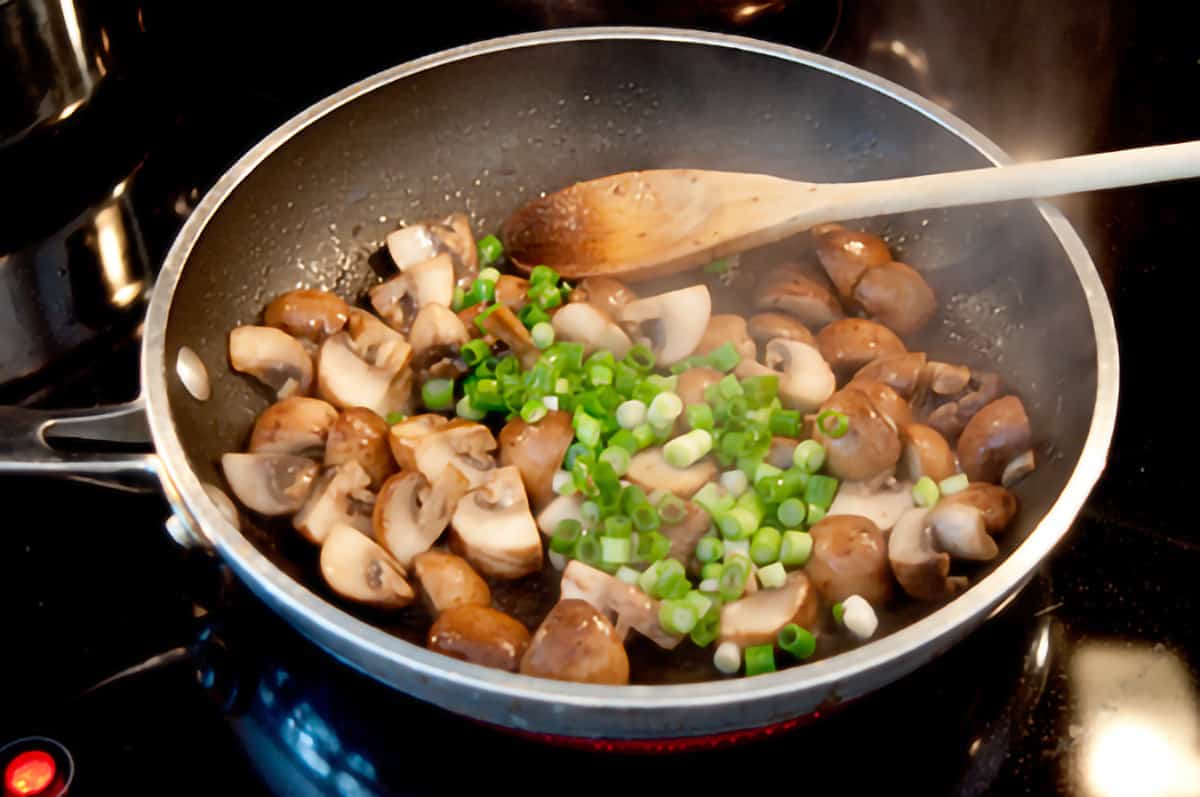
485,127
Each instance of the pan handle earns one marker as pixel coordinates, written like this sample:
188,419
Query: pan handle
110,445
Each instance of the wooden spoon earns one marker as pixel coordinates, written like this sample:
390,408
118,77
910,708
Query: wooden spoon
639,225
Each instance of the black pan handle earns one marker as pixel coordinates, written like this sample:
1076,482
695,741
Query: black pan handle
108,445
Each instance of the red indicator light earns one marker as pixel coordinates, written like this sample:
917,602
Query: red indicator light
30,773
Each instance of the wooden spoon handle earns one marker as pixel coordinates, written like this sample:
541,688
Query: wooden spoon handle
1022,181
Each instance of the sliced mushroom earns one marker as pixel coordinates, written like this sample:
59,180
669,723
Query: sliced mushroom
480,635
1021,466
604,293
375,342
295,425
649,470
951,416
537,451
758,618
512,291
273,357
921,569
693,382
493,529
926,453
270,484
887,401
403,437
850,343
448,581
504,325
900,372
846,255
945,379
462,444
883,506
361,436
355,567
454,234
764,327
897,296
411,513
411,245
806,380
686,534
579,322
417,243
346,380
959,530
870,446
312,315
727,328
563,507
782,452
994,437
626,605
340,496
400,298
998,505
577,643
671,323
789,289
436,326
849,557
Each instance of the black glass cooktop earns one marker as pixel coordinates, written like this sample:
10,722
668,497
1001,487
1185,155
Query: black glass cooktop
1087,684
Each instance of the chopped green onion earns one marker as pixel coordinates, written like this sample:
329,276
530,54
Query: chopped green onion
600,375
839,613
562,385
652,546
490,250
784,423
631,414
656,496
616,550
617,456
736,548
465,409
791,512
713,500
588,549
736,524
710,549
795,480
672,510
590,511
760,390
711,571
797,641
833,423
707,628
671,582
735,482
724,358
587,429
531,315
728,657
795,548
459,299
632,497
481,291
541,275
474,352
644,435
760,659
628,575
481,319
764,547
645,517
533,411
489,274
640,358
542,334
809,455
438,394
815,514
624,439
664,409
718,266
699,601
394,418
729,388
575,451
618,526
687,449
700,416
820,491
772,576
733,578
565,536
925,492
954,484
677,616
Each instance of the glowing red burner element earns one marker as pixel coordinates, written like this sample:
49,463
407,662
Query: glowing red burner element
29,773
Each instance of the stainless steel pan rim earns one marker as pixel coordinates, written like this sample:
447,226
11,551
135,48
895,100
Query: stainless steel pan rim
634,711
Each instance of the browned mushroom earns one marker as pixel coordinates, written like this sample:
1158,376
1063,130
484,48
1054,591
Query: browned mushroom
537,450
404,436
411,512
340,496
356,568
480,635
805,379
889,403
686,534
926,453
273,357
296,425
465,445
994,437
950,411
626,605
757,619
577,643
945,379
765,327
847,254
650,470
921,569
400,298
512,291
850,343
898,297
693,382
998,505
580,322
270,484
881,504
313,315
726,328
671,323
789,289
870,446
849,557
493,529
448,581
901,372
782,452
604,293
959,530
362,436
504,325
420,242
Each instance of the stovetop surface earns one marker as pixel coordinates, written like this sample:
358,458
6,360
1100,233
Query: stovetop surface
1086,685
